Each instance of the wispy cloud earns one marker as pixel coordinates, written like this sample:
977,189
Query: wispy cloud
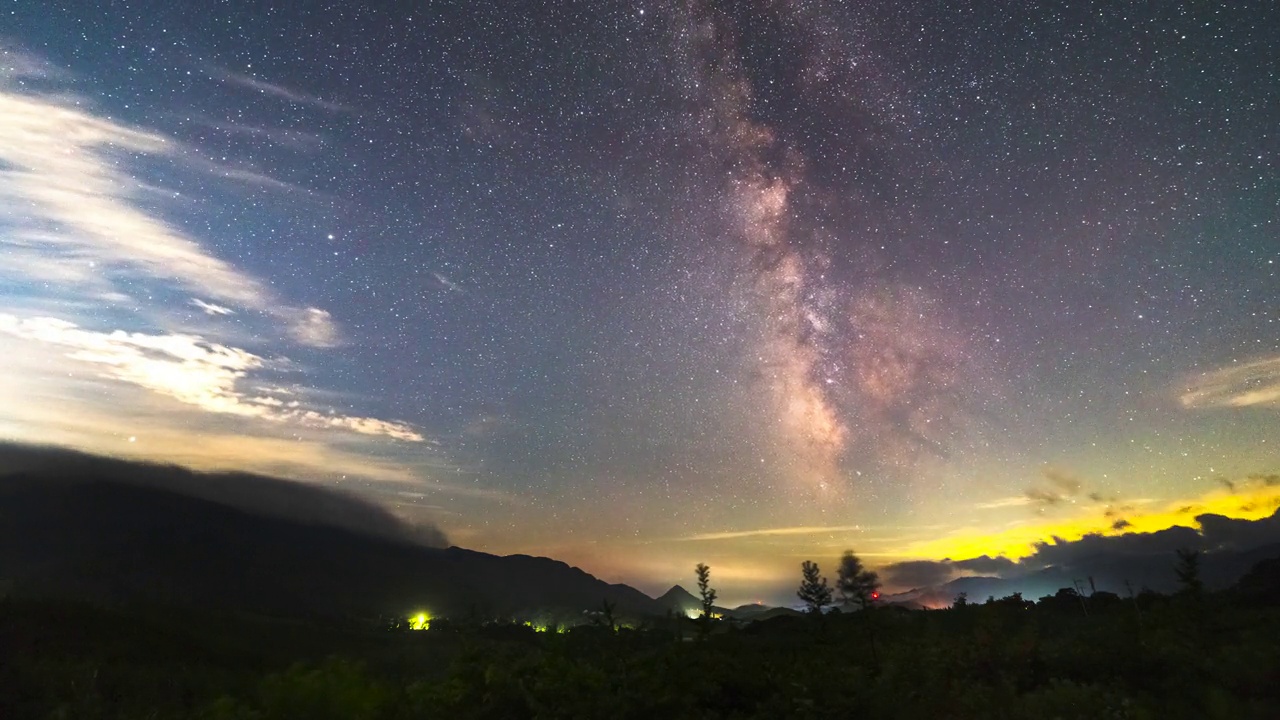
60,173
66,195
778,531
1247,384
20,65
446,283
263,87
212,308
314,327
282,136
1006,502
192,370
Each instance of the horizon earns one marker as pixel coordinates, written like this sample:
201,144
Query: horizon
1123,564
638,288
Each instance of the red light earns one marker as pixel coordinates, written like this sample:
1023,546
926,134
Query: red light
875,596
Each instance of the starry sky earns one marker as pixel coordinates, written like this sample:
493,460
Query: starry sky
638,285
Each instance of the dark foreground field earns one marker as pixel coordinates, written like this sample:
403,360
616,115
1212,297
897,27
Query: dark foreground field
1215,656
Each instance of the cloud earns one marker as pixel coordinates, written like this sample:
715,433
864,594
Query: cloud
1110,559
1248,384
1221,532
282,136
1044,498
108,319
446,283
1147,557
262,87
18,65
192,370
60,173
1254,498
918,573
269,496
314,327
211,308
985,565
67,197
1062,488
778,531
1015,501
923,573
1267,479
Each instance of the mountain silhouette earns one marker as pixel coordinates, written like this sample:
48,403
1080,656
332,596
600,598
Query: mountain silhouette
679,600
68,532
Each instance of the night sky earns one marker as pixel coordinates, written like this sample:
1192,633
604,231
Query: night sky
638,285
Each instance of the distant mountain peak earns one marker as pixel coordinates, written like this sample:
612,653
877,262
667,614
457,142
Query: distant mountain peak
679,598
678,593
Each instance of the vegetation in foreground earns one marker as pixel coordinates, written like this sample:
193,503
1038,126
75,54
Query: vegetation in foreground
1066,656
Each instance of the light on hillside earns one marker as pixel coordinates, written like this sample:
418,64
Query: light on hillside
421,621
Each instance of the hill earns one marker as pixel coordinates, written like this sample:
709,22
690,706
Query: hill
681,601
72,532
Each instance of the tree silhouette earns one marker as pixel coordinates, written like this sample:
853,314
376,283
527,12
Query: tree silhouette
856,583
813,589
1188,571
606,614
708,596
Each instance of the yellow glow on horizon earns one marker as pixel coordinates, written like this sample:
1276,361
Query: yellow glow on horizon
1019,540
421,621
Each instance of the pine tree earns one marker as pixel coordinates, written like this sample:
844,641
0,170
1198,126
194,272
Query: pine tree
813,589
708,597
856,583
1188,571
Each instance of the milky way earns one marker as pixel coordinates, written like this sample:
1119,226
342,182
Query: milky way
643,285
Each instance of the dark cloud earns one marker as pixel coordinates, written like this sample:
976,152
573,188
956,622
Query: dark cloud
272,497
986,565
923,573
1269,479
1220,532
1044,497
1114,562
918,573
1067,483
1060,487
1091,548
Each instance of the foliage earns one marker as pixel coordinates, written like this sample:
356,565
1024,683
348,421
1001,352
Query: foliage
705,591
856,583
1217,657
1188,571
814,591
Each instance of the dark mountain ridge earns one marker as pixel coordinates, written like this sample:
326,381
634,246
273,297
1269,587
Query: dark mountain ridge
70,532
